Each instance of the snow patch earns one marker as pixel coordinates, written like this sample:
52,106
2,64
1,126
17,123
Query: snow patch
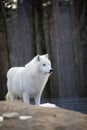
48,105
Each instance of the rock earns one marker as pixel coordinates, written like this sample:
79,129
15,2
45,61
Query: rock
1,118
41,118
10,115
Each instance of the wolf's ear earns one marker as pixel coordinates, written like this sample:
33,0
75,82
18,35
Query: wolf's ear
38,57
47,56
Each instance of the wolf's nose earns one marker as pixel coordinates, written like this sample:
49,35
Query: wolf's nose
51,70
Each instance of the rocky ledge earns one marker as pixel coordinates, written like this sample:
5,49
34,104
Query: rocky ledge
20,116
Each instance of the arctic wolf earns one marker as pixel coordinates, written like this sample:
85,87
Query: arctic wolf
29,81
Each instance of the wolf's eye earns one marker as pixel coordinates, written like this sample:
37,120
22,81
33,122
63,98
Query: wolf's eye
44,64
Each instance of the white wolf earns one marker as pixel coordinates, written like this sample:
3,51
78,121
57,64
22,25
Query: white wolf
29,81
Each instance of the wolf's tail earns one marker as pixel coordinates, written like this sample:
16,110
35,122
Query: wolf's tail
7,96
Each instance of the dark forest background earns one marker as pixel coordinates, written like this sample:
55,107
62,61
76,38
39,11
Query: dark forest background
56,27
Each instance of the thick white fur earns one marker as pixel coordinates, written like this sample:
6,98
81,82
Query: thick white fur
29,81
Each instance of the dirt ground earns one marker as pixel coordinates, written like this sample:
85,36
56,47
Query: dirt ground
41,118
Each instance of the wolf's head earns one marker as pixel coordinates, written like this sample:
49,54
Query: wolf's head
44,64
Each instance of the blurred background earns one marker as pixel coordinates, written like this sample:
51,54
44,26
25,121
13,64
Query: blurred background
56,27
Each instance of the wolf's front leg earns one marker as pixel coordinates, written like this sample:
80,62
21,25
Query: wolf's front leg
37,99
26,98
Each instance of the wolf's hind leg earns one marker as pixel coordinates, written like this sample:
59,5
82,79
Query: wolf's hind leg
26,98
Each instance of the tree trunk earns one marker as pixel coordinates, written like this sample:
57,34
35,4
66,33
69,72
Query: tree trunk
4,57
66,46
